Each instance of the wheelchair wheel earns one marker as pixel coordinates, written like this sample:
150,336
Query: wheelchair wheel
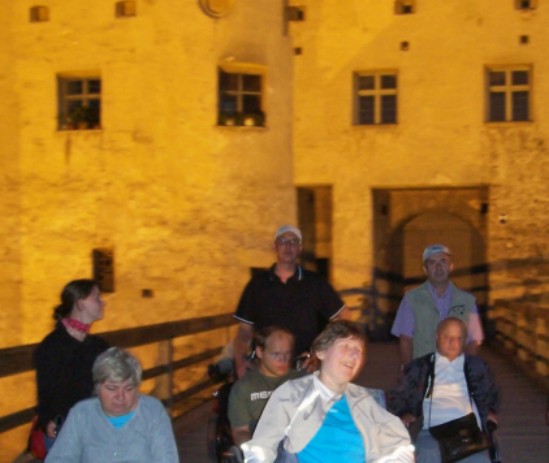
219,438
233,455
211,439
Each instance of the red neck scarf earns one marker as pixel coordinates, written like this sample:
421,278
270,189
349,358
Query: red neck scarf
76,325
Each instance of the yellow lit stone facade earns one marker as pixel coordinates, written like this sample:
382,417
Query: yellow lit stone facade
187,206
442,162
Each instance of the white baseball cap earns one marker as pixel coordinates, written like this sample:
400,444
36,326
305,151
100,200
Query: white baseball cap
288,229
435,249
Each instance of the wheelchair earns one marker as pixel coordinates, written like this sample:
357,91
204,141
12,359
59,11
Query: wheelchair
219,436
494,452
221,448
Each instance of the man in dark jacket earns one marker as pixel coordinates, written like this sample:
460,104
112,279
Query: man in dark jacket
442,386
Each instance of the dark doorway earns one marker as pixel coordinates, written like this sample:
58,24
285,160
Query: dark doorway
314,206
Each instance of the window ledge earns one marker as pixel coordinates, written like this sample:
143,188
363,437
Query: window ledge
507,123
242,127
375,126
99,129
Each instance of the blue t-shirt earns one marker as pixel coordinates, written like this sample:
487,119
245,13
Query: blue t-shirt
338,439
119,421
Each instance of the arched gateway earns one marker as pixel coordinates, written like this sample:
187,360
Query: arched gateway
408,219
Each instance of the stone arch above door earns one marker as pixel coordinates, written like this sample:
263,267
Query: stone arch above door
408,219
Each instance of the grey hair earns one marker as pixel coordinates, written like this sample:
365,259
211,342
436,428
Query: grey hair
116,364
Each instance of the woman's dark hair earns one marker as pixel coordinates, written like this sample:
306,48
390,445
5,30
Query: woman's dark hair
72,292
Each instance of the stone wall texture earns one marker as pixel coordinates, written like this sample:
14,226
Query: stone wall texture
441,140
187,206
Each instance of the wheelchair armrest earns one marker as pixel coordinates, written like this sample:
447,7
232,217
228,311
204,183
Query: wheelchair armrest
491,426
236,454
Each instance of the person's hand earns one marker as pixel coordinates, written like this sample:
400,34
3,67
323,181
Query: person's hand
408,419
492,417
306,362
51,430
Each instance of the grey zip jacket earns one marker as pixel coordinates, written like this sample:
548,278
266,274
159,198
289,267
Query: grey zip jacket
296,410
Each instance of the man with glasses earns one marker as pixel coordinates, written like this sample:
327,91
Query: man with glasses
274,352
286,295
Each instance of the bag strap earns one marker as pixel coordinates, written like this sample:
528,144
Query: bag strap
431,388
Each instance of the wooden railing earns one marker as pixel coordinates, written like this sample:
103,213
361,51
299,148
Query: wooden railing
522,330
15,360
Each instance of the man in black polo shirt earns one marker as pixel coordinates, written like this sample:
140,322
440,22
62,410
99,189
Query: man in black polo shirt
286,295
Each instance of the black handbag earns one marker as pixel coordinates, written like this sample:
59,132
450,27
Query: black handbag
460,438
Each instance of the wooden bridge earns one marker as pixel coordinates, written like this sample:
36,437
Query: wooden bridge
523,433
175,371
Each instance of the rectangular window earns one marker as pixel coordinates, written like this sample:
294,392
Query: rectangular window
525,4
375,98
79,103
241,98
103,269
508,94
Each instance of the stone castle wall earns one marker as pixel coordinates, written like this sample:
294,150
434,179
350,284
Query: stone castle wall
187,206
441,139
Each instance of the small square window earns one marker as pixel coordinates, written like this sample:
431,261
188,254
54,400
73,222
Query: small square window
126,8
79,103
39,13
525,4
295,13
405,6
241,98
375,98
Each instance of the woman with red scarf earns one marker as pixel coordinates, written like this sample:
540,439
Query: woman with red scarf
64,359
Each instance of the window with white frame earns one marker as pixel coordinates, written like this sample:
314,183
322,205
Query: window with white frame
240,93
79,103
375,98
509,90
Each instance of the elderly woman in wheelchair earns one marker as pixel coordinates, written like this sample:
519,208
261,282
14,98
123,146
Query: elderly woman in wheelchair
324,417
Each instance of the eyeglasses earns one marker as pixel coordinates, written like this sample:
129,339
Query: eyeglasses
288,242
280,355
